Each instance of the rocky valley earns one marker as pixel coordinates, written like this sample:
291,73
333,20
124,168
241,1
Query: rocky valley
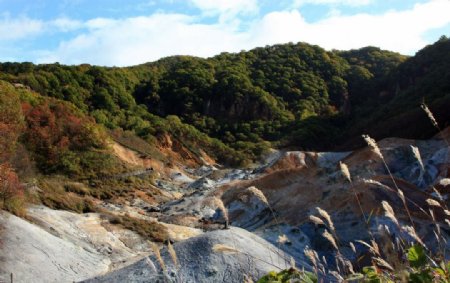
287,162
263,203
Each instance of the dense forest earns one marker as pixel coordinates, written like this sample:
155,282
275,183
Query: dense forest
234,106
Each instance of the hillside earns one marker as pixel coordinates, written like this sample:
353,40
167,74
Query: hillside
284,94
395,111
227,158
276,199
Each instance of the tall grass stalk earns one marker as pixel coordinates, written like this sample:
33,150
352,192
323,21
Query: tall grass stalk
373,145
432,120
260,195
346,172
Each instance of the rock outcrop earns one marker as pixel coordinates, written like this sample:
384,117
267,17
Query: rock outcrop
32,254
220,256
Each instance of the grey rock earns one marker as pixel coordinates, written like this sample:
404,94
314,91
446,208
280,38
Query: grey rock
200,260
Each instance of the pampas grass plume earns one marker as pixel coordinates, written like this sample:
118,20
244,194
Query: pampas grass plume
327,217
316,220
258,193
382,263
416,153
373,145
345,171
412,232
432,202
352,246
389,212
376,183
330,239
312,256
282,239
430,115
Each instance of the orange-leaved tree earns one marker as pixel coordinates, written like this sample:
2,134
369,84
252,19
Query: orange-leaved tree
57,133
11,190
11,122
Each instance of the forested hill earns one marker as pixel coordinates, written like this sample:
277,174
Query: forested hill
284,95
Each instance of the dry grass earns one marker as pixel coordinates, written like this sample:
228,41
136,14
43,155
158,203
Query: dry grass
257,193
330,239
373,145
130,140
389,212
433,202
282,239
345,171
416,154
430,115
157,253
316,220
387,253
58,193
352,246
221,248
172,253
150,230
327,217
217,203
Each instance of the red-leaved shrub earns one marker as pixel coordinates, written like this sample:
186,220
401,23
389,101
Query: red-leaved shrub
11,190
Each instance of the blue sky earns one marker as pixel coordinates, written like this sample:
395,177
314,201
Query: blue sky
123,33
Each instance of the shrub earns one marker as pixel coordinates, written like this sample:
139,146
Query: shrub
59,194
11,191
65,141
11,120
289,275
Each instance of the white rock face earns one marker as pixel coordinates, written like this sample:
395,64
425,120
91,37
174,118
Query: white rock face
218,256
62,246
34,255
86,231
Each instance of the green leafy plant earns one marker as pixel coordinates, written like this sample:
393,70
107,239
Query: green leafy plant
289,275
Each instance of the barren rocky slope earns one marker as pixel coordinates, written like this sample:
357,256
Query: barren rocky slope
59,246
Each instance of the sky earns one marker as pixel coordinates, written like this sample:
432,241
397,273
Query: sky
131,32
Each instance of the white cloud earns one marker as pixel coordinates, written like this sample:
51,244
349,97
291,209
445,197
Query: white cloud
226,10
299,3
223,6
400,31
100,23
23,28
141,39
14,29
65,24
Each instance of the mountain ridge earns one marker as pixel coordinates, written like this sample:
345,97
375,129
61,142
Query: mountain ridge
301,89
173,150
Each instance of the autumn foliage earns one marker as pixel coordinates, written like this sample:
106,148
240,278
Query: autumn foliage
11,190
56,132
11,120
